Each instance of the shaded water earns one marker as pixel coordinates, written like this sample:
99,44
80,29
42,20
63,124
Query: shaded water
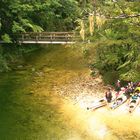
30,108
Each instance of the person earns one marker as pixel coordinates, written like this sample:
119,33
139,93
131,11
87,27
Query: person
128,92
118,86
108,95
137,92
138,84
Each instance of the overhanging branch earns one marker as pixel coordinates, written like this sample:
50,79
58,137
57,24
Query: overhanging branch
124,16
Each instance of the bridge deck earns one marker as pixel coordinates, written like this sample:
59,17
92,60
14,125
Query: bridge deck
46,42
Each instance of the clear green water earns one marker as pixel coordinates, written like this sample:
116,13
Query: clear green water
23,115
29,109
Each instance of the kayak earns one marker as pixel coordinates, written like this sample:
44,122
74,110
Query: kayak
119,101
134,101
97,104
100,103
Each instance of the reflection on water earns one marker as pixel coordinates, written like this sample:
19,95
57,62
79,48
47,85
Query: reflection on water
30,110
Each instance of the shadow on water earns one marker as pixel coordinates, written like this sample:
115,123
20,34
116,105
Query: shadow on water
9,105
23,115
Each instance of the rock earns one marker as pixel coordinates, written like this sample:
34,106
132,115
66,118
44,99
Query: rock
30,93
33,69
20,66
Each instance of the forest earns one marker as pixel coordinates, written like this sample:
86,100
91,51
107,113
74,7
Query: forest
113,26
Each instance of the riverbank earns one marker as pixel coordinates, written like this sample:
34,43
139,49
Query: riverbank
67,76
72,82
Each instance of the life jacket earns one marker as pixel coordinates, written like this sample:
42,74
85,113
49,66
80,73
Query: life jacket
134,97
137,88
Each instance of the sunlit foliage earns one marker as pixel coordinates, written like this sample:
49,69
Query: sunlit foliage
118,40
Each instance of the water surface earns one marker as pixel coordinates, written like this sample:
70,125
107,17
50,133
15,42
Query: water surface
31,109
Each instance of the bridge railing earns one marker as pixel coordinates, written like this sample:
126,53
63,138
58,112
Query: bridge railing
48,36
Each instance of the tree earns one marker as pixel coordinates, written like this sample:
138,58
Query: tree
118,39
37,15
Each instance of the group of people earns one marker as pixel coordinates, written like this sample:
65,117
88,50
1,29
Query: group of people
131,89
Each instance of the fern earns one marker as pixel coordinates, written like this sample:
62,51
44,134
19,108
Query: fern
28,24
17,27
37,28
6,38
124,65
110,34
131,75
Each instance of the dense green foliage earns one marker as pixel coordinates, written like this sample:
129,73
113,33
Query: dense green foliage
36,15
117,41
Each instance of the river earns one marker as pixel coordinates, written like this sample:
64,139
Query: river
37,101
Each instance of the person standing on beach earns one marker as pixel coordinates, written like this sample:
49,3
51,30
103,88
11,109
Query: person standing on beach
108,95
117,88
118,85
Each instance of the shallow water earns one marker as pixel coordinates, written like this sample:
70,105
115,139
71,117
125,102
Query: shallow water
30,108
